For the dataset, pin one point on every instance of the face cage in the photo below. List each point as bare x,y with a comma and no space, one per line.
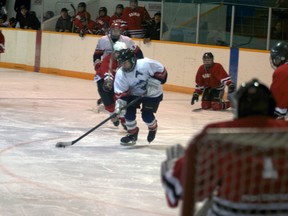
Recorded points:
133,64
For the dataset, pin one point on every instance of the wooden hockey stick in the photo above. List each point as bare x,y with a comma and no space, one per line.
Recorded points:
65,144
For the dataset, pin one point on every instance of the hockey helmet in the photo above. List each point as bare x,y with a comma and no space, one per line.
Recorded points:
208,60
124,55
104,10
279,54
115,31
120,6
82,5
254,98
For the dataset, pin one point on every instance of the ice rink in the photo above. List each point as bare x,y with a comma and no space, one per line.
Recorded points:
96,176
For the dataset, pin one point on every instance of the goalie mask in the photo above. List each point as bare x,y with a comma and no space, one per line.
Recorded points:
254,98
208,60
115,31
127,60
279,54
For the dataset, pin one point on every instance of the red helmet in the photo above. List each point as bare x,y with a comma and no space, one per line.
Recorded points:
115,31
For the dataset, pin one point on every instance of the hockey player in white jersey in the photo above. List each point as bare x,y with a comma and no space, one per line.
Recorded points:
138,78
105,44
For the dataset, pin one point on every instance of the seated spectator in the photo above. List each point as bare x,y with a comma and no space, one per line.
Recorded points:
117,16
80,14
136,18
18,4
12,22
102,21
154,28
28,20
64,23
48,15
4,21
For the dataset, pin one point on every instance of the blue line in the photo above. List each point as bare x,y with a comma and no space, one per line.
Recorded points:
233,65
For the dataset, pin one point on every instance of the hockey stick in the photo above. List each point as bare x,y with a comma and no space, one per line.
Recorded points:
74,15
65,144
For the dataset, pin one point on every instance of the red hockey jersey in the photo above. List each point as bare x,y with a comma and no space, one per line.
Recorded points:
215,77
2,42
279,86
237,199
104,69
135,17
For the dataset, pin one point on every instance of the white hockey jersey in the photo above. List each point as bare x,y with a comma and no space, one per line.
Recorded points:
105,44
135,82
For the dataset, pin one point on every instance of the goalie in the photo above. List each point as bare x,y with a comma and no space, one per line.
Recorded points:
254,108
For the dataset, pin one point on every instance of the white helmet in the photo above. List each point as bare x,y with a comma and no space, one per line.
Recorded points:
119,46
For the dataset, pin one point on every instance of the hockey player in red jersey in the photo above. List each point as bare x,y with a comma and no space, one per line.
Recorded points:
117,16
2,42
102,21
106,74
82,13
211,79
279,61
254,108
135,17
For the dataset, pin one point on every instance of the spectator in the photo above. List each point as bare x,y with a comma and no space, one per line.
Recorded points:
4,22
81,14
254,109
211,79
143,79
279,60
2,42
27,19
102,21
18,4
136,18
154,29
117,16
64,23
12,22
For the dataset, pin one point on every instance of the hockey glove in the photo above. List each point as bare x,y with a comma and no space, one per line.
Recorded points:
97,64
195,97
153,87
108,82
231,88
119,107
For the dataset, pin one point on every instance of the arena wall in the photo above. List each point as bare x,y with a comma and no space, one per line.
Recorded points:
67,54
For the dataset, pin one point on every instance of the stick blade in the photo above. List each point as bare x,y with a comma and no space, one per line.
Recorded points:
63,144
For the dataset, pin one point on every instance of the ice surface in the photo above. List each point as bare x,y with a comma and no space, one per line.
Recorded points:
96,176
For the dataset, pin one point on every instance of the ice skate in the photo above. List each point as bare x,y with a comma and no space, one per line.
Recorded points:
151,135
131,138
115,121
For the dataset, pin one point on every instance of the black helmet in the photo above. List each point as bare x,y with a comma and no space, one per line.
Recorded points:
127,54
254,98
104,9
208,55
82,4
279,54
208,60
120,6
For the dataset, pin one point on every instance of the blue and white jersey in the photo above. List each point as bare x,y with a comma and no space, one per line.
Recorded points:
135,82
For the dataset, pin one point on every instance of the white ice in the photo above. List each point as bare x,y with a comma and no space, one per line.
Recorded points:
96,176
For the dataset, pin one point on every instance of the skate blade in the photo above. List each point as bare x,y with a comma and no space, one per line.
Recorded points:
128,144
